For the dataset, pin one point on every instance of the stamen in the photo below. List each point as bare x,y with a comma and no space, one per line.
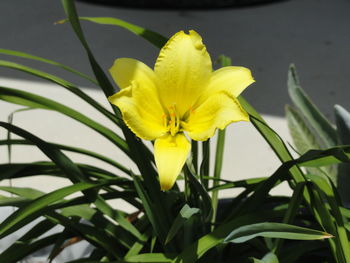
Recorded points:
174,122
165,120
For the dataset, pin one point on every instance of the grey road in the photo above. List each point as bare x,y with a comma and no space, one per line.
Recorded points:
313,34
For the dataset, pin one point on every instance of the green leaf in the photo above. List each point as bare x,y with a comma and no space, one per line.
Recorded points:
35,101
140,154
292,253
73,173
274,230
305,139
205,164
151,258
15,254
272,138
185,213
72,149
197,249
336,220
325,219
26,192
247,183
201,195
12,201
318,121
219,154
302,135
104,83
153,37
94,235
63,83
268,258
44,60
342,118
317,158
154,215
293,206
15,220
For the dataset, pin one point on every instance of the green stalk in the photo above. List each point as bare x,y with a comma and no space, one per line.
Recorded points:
224,61
205,165
194,148
219,156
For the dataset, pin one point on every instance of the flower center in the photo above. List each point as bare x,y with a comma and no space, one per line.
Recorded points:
172,120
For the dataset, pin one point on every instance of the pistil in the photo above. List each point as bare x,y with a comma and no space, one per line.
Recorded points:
174,120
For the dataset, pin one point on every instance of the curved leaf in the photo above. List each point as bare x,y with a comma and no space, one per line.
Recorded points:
63,83
35,101
300,99
44,60
274,230
268,258
185,213
72,149
153,37
16,220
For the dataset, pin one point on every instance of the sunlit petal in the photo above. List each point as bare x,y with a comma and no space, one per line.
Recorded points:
125,70
230,79
170,153
217,111
184,69
141,110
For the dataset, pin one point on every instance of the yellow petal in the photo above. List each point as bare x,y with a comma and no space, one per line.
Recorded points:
230,79
170,153
141,109
125,70
217,111
184,69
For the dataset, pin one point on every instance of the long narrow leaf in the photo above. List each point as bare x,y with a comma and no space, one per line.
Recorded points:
155,38
31,100
185,213
63,83
10,223
274,230
73,149
44,60
310,111
70,10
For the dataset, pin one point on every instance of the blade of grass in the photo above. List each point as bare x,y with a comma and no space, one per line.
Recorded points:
31,100
63,83
205,164
72,171
326,189
25,213
293,207
153,37
44,60
217,170
25,249
196,250
70,10
75,150
185,213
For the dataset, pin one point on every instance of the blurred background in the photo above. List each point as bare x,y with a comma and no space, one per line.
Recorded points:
313,34
265,37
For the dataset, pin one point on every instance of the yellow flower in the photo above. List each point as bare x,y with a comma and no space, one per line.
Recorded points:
182,94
